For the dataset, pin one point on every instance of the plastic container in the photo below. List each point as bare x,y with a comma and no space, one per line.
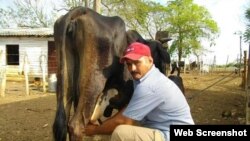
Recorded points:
52,83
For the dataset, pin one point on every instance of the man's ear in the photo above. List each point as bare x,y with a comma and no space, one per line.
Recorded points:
151,59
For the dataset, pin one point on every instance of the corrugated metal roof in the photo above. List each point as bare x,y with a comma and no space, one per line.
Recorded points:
23,32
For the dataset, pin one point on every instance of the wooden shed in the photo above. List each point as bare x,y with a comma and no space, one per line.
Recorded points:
34,47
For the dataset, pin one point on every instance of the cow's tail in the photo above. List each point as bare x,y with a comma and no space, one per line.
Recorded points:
60,125
60,122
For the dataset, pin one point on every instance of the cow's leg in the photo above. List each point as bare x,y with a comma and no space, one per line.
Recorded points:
89,88
70,90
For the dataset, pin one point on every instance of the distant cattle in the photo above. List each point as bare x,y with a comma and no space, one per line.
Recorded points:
89,47
177,66
204,69
193,65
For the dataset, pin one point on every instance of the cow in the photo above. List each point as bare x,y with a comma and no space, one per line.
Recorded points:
101,107
89,46
204,69
193,65
177,79
175,67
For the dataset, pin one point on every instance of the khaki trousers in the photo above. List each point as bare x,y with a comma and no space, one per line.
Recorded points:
136,133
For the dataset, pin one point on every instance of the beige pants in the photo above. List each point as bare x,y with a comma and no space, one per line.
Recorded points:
136,133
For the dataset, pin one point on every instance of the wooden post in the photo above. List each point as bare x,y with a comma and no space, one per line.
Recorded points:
26,71
240,55
2,81
184,68
226,63
43,66
247,92
244,75
2,75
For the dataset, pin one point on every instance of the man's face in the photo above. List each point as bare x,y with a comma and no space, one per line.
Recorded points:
138,68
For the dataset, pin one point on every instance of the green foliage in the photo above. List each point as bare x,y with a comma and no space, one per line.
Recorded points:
145,16
232,64
189,24
247,32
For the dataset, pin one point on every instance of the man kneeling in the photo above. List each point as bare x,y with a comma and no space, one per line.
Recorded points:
157,103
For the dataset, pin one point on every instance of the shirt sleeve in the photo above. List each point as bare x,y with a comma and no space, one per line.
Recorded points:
142,103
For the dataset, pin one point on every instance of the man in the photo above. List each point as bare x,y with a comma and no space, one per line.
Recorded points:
156,103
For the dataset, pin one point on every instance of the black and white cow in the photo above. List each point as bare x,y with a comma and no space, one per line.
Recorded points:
89,47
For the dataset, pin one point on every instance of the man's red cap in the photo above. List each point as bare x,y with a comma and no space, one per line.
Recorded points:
135,51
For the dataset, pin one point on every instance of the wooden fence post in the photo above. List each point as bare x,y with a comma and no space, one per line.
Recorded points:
247,91
2,81
43,66
2,75
26,71
244,74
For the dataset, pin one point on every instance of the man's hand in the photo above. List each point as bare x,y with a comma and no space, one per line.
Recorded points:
109,125
90,129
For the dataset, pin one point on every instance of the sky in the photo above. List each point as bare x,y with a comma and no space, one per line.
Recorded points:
229,15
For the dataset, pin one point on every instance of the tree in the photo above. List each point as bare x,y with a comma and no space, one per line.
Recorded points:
189,24
35,13
247,32
145,16
97,6
27,13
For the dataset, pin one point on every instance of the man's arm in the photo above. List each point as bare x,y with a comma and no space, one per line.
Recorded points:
108,126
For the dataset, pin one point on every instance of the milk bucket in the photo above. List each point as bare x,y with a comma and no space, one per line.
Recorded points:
52,83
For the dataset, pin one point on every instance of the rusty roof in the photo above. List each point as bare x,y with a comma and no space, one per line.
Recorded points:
26,32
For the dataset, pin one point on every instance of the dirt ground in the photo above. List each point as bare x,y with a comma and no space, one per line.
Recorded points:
214,98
